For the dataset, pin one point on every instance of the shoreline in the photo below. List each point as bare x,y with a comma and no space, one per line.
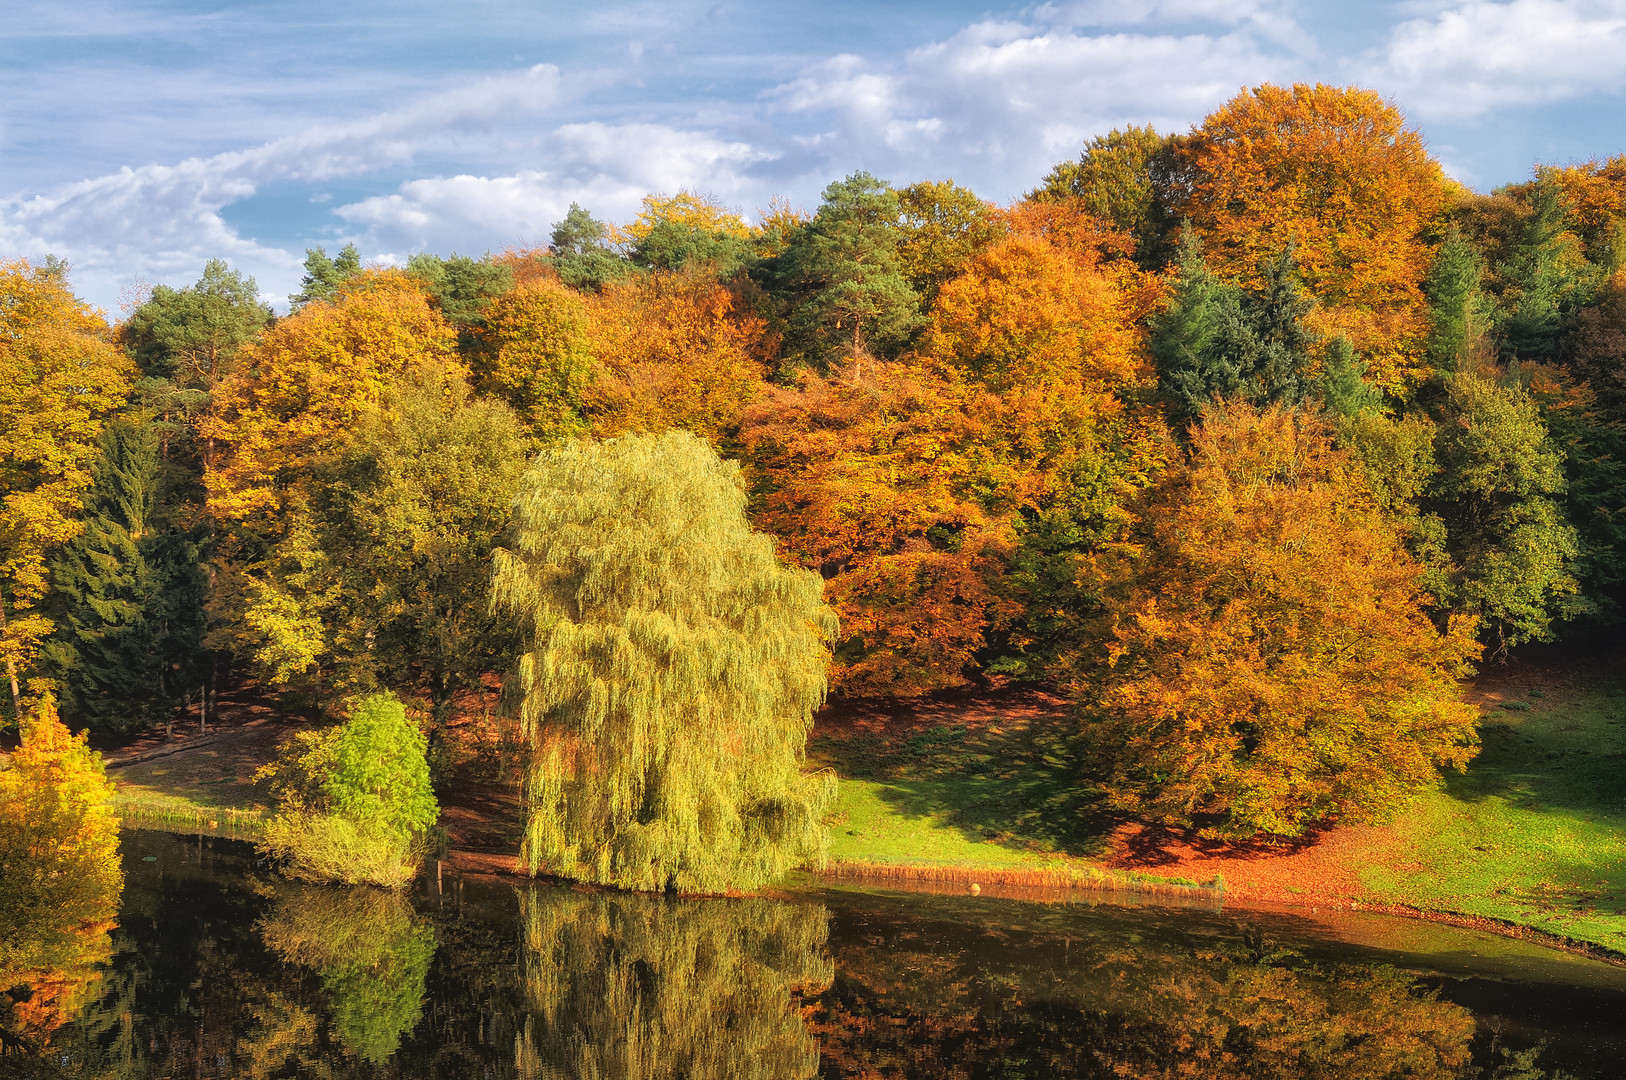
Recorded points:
1061,886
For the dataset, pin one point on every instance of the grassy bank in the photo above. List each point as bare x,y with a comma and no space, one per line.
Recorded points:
989,801
1534,832
207,789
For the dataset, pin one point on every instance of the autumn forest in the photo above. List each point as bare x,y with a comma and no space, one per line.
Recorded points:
1252,442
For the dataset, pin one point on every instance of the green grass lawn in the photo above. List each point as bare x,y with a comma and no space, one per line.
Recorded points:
993,798
1535,831
979,796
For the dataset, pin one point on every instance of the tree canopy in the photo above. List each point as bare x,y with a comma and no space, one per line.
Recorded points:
669,675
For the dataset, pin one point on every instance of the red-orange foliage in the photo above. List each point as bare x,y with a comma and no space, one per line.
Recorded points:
1337,173
909,485
1270,661
673,350
865,482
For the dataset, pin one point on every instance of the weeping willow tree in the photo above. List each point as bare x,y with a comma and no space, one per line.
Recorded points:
669,678
639,988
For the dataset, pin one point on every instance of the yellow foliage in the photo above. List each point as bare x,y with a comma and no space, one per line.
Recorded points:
59,868
307,383
673,351
60,378
536,354
1336,173
688,209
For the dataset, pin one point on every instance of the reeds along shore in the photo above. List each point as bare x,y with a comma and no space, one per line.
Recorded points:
968,878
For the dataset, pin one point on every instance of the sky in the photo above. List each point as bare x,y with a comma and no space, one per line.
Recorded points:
138,140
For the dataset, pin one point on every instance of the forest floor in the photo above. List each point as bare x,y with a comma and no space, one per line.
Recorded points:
977,786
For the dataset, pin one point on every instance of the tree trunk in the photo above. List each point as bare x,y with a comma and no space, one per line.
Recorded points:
11,666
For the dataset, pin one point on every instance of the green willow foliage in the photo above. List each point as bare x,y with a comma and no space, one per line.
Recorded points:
634,989
671,670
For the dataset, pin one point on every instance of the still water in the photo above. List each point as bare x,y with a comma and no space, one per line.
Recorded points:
219,969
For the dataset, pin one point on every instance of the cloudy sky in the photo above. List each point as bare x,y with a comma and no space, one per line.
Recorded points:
139,139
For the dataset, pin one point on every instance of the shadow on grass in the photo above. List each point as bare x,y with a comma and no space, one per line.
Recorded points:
1021,785
1568,755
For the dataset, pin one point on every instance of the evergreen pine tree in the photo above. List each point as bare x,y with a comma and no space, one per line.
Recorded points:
844,278
1216,340
324,275
670,674
579,254
1342,388
128,594
1456,305
1531,328
1275,316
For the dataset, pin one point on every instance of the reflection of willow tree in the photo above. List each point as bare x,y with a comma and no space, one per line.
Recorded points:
909,1006
633,988
59,876
372,953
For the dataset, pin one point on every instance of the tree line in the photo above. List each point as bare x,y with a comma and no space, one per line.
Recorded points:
1253,439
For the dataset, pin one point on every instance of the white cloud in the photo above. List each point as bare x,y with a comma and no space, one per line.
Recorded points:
161,220
1000,102
1471,58
607,168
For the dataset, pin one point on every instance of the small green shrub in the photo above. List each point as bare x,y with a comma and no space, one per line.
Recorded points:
354,801
328,847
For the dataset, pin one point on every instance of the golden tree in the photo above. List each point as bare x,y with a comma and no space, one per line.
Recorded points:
670,672
60,378
1269,661
536,354
297,397
674,350
60,878
301,389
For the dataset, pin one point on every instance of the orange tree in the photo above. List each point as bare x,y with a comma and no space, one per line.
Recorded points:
1269,664
59,869
675,349
947,497
1337,174
60,378
1594,196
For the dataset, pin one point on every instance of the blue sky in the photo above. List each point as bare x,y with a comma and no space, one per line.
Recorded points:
139,139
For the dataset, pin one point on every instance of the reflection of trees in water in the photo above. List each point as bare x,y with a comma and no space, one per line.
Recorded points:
911,1005
640,988
371,951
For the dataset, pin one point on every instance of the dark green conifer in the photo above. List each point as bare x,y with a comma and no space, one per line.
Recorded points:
843,279
128,594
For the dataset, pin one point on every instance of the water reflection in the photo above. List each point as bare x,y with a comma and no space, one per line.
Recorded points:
921,1007
630,987
371,951
217,972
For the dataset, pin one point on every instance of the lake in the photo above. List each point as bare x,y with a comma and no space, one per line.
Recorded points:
220,969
